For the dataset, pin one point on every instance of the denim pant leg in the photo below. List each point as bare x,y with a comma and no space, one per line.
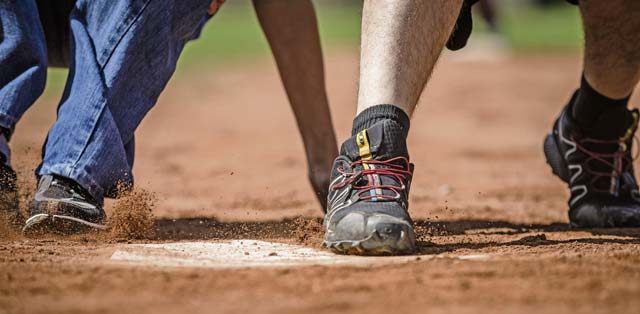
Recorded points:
124,53
23,59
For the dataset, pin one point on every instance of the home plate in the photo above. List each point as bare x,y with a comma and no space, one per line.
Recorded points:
241,253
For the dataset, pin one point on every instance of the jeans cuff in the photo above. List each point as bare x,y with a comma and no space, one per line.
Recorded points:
79,176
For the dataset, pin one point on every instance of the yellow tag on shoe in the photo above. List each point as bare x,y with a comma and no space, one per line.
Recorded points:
363,145
630,130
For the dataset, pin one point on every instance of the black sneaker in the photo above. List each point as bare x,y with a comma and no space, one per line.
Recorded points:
368,195
597,164
61,206
9,196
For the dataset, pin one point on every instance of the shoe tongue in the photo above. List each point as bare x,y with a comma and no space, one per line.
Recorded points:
386,139
611,127
610,124
381,141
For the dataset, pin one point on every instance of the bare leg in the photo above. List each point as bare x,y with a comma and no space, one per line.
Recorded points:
401,42
368,209
292,32
612,45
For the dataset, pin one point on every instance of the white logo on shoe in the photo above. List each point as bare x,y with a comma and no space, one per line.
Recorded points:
573,167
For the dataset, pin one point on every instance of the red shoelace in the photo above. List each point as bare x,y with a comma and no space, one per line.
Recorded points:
397,167
620,161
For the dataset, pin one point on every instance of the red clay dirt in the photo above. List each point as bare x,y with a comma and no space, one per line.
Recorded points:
222,160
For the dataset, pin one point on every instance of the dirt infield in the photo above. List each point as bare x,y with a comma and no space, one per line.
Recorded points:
222,159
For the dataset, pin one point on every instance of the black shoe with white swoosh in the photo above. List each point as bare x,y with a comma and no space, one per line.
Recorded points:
61,206
367,211
597,164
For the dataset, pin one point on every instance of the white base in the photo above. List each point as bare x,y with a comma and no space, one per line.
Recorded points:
245,253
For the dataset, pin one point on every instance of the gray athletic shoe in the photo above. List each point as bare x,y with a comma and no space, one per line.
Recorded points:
368,195
61,206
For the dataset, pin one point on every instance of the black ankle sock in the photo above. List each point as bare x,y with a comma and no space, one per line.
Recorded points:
590,104
372,115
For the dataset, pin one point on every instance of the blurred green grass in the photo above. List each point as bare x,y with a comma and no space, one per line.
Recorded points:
234,36
554,29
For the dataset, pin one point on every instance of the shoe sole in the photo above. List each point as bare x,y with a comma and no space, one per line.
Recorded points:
391,236
59,224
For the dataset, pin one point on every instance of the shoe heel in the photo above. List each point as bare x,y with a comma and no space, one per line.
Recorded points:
555,159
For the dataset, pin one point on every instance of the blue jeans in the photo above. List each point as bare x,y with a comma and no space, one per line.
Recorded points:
122,56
